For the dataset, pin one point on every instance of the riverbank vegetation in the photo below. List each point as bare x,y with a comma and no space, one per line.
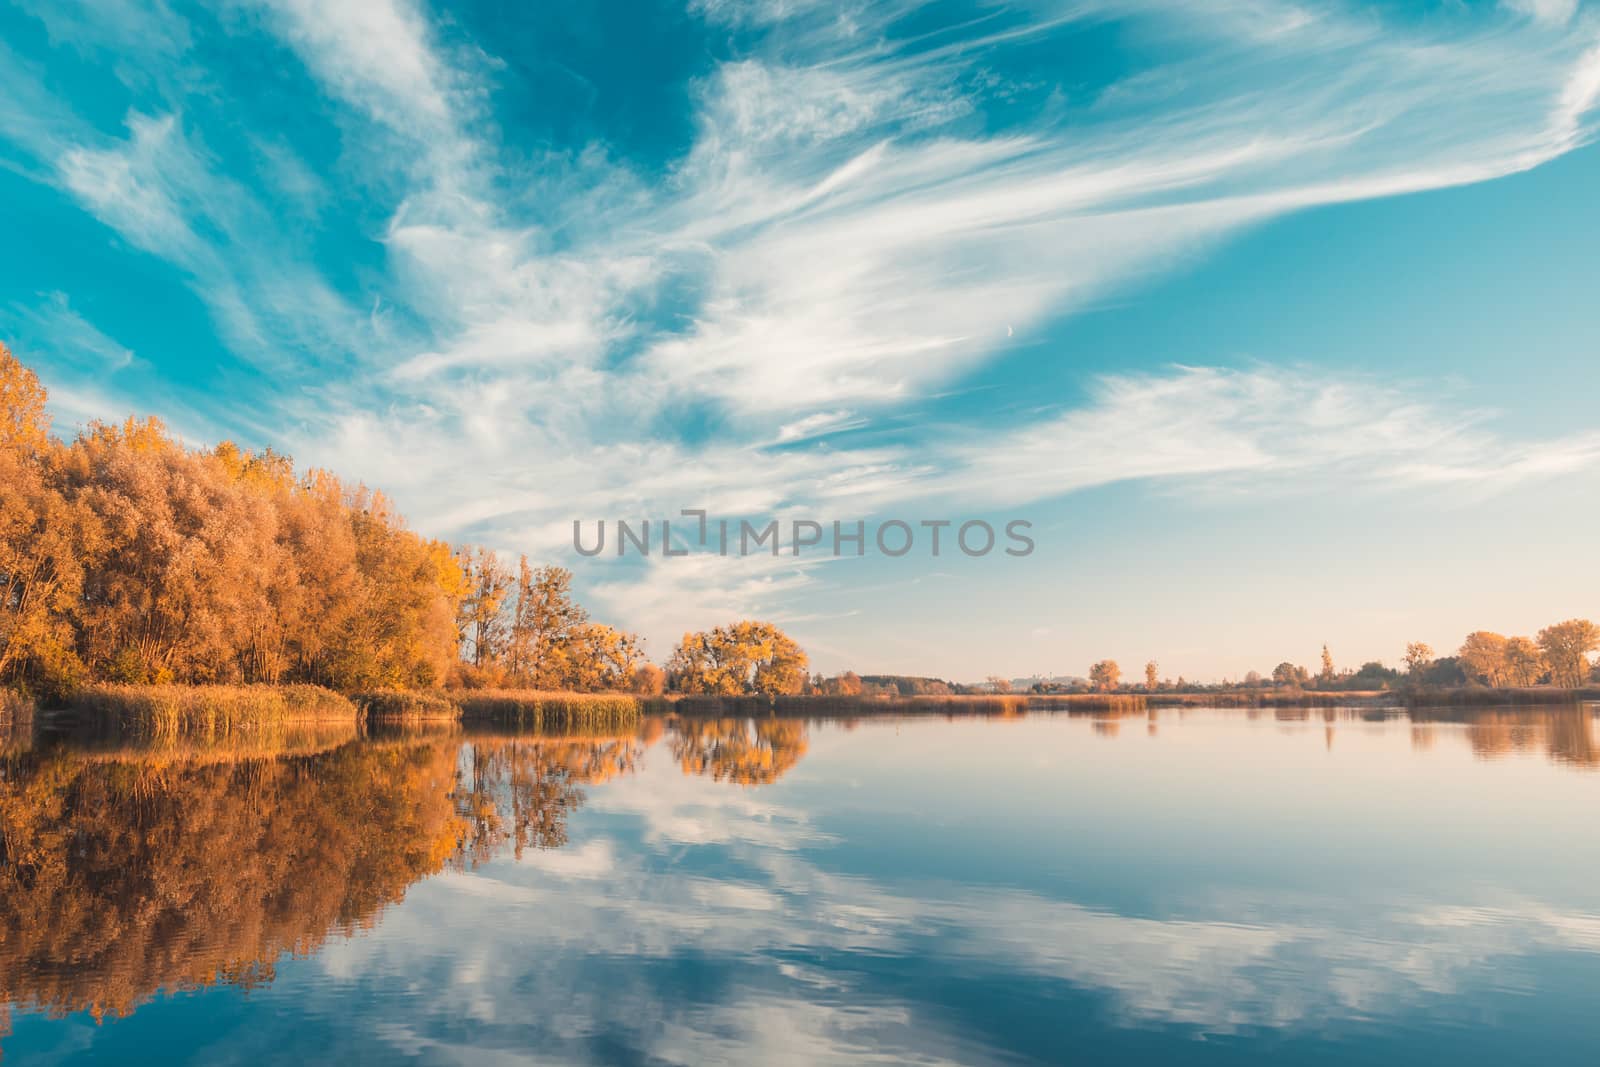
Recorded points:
551,712
207,711
406,705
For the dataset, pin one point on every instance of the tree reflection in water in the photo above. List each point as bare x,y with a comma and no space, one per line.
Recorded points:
519,792
749,752
124,875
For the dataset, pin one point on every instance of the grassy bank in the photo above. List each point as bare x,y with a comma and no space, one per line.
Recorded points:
550,712
206,712
923,705
864,707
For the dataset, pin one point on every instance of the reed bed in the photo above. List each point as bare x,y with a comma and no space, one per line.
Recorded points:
1249,698
207,712
713,706
1004,704
1118,703
406,706
868,706
1480,697
550,712
1001,705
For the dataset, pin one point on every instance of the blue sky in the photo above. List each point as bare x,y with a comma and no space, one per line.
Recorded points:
1275,320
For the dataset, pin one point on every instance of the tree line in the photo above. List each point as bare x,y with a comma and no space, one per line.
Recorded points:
127,556
1557,656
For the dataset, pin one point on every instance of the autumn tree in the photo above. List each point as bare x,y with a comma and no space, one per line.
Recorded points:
1483,657
648,680
1566,647
1327,674
42,540
1105,675
1418,656
1290,675
997,684
546,622
1524,664
125,555
740,658
1152,676
482,617
595,657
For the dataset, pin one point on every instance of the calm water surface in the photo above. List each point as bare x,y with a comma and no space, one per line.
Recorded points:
1197,887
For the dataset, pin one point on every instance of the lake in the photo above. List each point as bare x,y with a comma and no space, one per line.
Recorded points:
1195,886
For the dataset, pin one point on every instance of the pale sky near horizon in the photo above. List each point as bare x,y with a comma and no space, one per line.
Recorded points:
1276,320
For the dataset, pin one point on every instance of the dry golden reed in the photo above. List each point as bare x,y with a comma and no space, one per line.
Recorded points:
404,704
206,711
551,712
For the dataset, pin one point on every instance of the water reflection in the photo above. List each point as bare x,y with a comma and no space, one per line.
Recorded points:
518,792
896,885
748,752
125,873
126,876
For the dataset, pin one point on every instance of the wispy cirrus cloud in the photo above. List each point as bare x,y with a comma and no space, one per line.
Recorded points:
862,215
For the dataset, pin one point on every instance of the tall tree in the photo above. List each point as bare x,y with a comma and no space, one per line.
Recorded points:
42,540
595,657
1483,657
1152,674
1524,663
483,616
545,625
1566,647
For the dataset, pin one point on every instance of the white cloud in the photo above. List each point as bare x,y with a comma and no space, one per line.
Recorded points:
145,188
1553,12
53,320
1272,423
376,55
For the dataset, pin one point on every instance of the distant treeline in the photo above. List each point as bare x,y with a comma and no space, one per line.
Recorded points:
1557,656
